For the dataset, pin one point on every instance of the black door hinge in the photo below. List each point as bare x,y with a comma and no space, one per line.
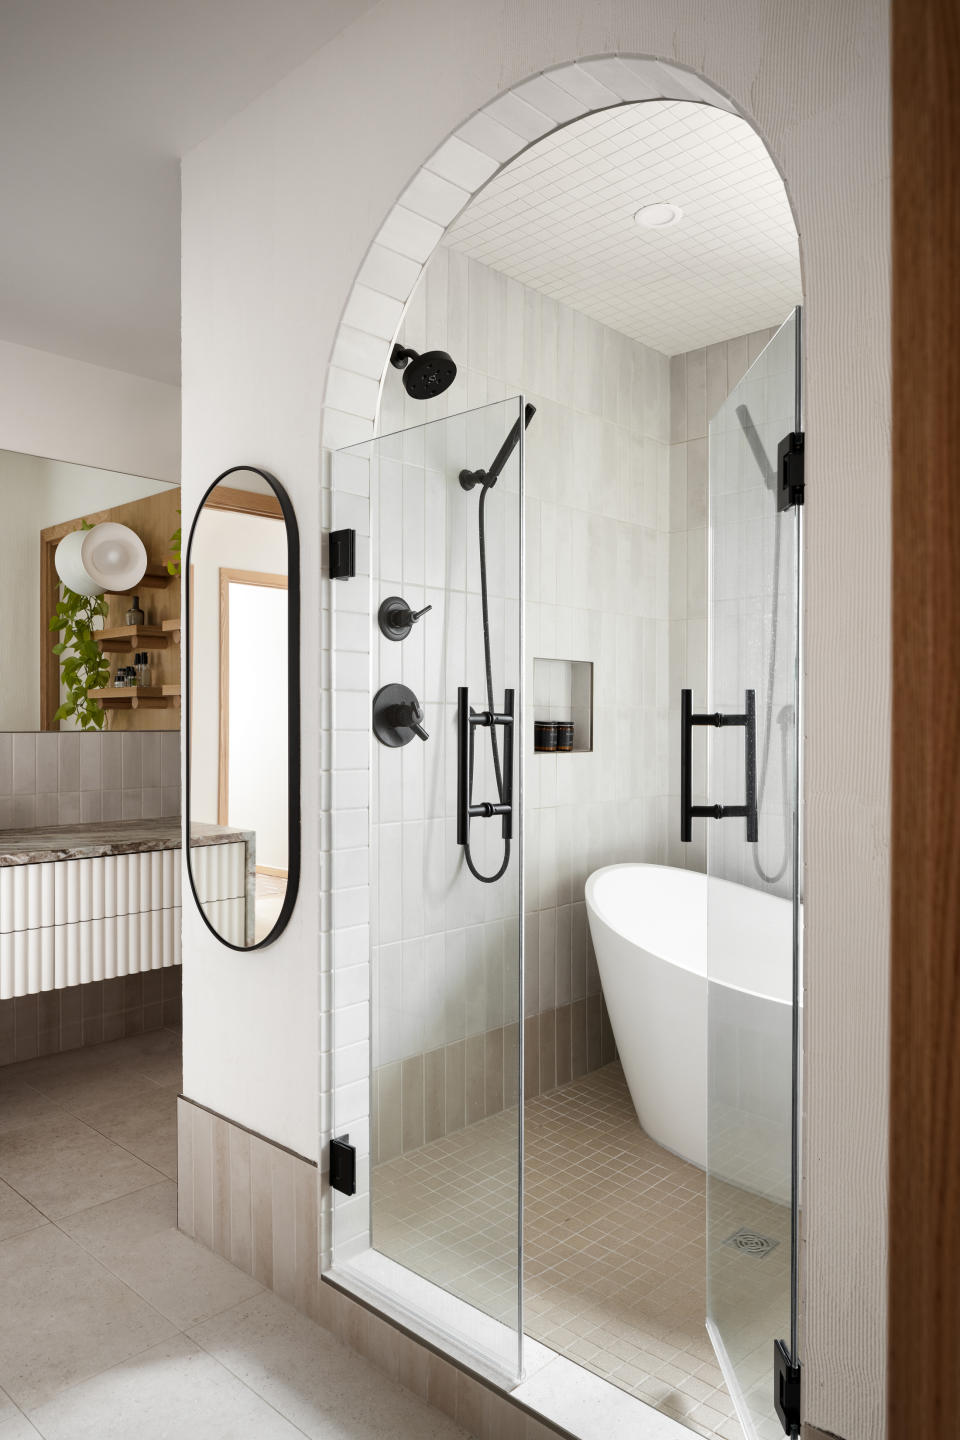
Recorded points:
786,1389
790,470
343,554
343,1165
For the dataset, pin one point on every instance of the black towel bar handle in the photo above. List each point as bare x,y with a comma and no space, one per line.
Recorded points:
748,810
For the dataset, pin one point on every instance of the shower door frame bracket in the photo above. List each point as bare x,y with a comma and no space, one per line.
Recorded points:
790,483
786,1388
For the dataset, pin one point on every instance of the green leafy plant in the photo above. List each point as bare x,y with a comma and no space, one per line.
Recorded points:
83,665
173,565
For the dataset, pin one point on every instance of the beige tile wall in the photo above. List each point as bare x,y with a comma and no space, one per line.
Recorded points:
256,1204
55,1020
428,1096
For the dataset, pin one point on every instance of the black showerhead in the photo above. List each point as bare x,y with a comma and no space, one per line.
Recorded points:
426,375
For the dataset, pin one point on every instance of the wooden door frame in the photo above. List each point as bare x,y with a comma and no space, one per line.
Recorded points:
265,580
924,1248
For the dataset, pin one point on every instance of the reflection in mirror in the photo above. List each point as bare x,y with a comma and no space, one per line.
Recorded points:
44,501
242,583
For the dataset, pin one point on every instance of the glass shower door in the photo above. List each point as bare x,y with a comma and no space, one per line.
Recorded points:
753,897
446,872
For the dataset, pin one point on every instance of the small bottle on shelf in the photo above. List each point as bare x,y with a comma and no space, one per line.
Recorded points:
135,615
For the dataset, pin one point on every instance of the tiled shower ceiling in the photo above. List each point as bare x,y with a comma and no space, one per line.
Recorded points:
560,220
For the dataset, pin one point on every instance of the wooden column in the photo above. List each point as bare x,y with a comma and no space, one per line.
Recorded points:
924,1260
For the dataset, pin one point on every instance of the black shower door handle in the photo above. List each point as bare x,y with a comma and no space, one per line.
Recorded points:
688,811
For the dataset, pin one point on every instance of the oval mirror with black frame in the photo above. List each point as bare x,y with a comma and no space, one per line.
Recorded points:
242,699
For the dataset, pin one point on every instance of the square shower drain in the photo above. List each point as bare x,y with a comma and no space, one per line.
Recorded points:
749,1242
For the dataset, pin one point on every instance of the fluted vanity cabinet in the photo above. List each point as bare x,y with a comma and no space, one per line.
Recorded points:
87,902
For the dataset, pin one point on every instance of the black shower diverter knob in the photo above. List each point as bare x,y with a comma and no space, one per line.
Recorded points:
397,716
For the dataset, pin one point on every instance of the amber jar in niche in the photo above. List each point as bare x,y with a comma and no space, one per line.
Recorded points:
565,735
544,736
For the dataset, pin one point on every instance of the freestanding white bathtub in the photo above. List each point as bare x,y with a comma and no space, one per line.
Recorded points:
649,930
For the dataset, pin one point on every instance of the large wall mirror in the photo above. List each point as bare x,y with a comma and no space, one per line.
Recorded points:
242,586
50,681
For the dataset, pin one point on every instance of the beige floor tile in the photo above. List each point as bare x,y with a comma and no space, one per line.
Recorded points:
614,1235
142,1120
66,1166
173,1389
18,1427
7,1407
136,1237
64,1317
16,1214
81,1088
316,1382
22,1104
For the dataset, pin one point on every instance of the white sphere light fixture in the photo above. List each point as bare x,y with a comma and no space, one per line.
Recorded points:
107,557
114,556
658,216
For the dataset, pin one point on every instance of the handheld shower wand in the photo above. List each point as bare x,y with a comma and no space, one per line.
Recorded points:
487,479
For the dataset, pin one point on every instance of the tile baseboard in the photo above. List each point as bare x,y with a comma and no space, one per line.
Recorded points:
257,1204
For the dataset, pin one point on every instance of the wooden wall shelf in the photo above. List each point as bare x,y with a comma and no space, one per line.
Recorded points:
125,639
155,578
139,697
172,628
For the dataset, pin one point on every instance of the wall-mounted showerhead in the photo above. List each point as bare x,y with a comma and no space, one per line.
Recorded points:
426,375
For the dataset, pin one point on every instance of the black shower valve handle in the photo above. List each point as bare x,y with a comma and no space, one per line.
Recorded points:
416,716
396,619
397,716
411,715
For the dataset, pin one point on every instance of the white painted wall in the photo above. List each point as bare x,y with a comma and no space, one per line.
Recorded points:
279,208
66,409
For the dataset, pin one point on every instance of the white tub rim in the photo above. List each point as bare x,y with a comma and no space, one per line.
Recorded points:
771,909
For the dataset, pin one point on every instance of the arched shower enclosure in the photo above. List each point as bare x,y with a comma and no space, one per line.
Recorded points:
435,699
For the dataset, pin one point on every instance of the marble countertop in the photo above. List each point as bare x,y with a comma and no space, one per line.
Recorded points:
106,837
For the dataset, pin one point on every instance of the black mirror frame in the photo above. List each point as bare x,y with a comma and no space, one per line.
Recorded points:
293,705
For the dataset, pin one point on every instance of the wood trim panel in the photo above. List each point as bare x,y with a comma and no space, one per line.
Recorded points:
244,502
924,1259
230,577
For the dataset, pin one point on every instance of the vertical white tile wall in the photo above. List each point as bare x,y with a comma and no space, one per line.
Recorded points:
445,948
700,382
597,554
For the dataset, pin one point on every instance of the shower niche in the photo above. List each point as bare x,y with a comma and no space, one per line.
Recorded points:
562,695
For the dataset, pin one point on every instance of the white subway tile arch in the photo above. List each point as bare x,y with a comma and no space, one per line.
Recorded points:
481,147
